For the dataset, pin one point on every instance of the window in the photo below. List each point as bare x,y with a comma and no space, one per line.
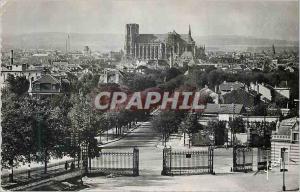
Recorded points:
36,87
296,137
45,86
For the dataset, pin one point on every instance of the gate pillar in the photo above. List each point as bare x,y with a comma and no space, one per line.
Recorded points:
135,161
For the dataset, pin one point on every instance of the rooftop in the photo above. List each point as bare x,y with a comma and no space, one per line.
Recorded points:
224,108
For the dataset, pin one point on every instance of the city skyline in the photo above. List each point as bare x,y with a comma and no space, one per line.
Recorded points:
267,19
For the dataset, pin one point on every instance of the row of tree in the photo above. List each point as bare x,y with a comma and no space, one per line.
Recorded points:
37,129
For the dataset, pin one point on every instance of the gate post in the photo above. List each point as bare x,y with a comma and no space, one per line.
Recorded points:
163,172
244,167
84,156
211,160
234,158
166,153
135,161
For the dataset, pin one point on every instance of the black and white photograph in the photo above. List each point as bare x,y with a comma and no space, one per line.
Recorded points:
149,95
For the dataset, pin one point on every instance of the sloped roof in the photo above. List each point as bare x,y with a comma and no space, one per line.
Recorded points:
228,85
187,54
149,38
193,62
286,125
47,79
152,38
223,108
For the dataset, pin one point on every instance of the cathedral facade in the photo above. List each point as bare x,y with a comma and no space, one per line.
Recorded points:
157,46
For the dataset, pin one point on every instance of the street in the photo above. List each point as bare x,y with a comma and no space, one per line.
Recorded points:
150,178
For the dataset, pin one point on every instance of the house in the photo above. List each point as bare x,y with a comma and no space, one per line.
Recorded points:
111,76
22,70
263,89
224,112
47,85
210,93
283,89
286,136
241,96
227,87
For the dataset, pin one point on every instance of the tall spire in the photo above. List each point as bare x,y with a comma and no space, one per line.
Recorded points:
273,49
190,34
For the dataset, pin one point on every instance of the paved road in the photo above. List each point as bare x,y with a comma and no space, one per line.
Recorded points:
143,136
146,139
150,178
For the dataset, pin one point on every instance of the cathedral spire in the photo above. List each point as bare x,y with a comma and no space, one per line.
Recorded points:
190,34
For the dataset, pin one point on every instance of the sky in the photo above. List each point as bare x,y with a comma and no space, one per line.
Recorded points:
262,19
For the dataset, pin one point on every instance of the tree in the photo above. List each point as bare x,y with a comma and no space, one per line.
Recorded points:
237,125
190,125
259,110
85,124
261,133
166,122
172,73
18,85
14,128
139,82
217,128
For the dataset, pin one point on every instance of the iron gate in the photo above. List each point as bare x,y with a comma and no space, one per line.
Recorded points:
263,158
187,162
242,159
121,163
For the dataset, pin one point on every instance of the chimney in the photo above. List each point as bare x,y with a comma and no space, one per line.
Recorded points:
11,57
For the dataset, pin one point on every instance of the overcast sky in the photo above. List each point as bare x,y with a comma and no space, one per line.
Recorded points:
266,19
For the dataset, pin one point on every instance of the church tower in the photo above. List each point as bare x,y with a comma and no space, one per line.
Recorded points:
131,33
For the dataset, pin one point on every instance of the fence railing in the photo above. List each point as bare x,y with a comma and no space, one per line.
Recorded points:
37,173
281,137
242,159
122,163
263,158
187,162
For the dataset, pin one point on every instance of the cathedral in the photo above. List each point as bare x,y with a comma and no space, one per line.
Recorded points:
169,47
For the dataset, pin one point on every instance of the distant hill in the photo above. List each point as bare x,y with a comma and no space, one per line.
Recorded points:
100,42
107,42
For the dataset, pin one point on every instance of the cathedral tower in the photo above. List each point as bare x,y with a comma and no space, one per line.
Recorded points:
131,33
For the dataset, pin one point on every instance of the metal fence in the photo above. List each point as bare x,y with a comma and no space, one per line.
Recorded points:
122,163
37,173
187,162
263,158
242,159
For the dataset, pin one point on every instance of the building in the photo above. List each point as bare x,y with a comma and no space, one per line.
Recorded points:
47,85
241,96
169,46
111,76
227,87
269,93
210,93
263,89
223,112
30,72
286,136
283,89
86,51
